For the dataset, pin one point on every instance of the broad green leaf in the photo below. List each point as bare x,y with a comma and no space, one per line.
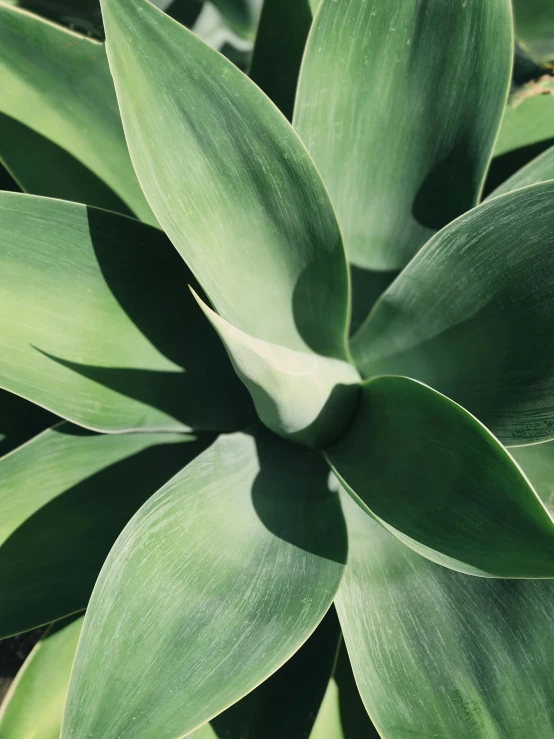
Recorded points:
58,84
20,420
472,317
442,484
440,654
527,130
59,175
213,585
539,169
239,197
35,702
301,396
287,703
537,461
278,51
401,135
65,497
534,25
98,325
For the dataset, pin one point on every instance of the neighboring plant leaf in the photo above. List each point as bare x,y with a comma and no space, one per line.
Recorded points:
239,197
540,169
58,84
213,585
402,136
527,130
240,15
65,497
472,317
35,702
98,322
440,654
59,174
278,51
20,421
441,483
525,68
534,26
300,396
537,461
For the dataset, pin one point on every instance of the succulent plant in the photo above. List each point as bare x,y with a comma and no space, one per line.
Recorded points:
279,366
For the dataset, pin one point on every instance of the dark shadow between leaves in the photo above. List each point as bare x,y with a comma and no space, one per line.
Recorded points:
367,286
292,499
506,165
20,420
48,566
355,722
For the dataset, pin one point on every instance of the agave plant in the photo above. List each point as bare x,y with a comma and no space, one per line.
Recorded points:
311,441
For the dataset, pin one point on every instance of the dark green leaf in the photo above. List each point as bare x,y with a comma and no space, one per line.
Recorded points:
99,327
442,484
65,497
534,25
213,585
402,135
472,316
239,196
440,654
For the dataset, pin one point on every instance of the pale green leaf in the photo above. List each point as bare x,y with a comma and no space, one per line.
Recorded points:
302,396
65,497
399,105
230,182
440,654
34,705
442,484
213,585
472,316
58,84
537,461
99,327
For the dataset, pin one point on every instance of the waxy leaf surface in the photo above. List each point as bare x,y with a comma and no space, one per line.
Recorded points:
99,327
212,586
453,655
472,316
401,135
230,182
440,482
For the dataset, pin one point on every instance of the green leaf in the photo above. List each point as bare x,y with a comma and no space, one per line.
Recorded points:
447,654
213,585
402,136
539,169
34,704
99,327
20,420
534,25
278,51
240,15
537,461
441,483
300,396
239,197
58,84
65,497
59,175
471,316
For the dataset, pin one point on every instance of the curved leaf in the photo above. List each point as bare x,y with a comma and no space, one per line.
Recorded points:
453,655
539,169
300,396
471,316
278,51
537,461
534,21
212,586
35,703
20,420
399,160
442,484
98,324
58,84
239,197
240,15
65,497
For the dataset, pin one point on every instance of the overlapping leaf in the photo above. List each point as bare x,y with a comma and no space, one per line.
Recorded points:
441,483
227,570
99,327
453,655
230,182
472,317
534,21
